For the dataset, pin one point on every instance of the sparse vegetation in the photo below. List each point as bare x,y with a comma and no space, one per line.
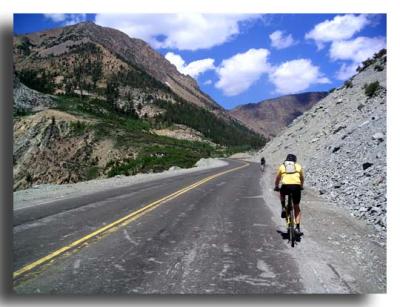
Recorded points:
77,128
156,159
372,60
231,134
19,112
39,80
348,84
371,89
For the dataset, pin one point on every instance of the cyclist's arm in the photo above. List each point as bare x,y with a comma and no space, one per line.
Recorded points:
278,179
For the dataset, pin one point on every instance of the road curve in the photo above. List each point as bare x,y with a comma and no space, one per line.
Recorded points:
215,237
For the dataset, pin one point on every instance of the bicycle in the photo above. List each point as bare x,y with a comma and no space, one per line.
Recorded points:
290,219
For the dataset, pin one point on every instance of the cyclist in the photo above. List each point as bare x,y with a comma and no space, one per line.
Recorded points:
291,175
262,163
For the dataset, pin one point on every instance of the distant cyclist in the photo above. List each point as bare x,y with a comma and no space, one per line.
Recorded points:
291,175
262,164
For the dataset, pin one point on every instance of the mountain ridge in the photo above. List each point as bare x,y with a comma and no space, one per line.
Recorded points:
135,51
270,116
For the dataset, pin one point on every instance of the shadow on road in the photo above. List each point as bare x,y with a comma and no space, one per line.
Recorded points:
285,236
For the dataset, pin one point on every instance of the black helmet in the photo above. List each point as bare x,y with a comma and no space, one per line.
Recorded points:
291,157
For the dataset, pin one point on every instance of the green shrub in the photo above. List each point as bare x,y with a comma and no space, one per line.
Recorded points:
348,84
77,128
92,172
371,88
19,112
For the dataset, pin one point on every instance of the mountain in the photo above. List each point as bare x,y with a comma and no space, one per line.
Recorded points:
271,116
112,49
341,143
92,102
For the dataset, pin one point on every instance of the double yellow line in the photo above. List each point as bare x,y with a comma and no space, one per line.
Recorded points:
120,222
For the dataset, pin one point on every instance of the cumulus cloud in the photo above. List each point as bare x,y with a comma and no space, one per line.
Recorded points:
192,69
356,50
296,76
339,28
280,41
239,72
66,19
188,31
346,71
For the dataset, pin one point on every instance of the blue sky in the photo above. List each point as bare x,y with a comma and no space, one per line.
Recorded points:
238,59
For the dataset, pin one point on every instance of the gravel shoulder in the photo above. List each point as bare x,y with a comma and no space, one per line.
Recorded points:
338,252
49,192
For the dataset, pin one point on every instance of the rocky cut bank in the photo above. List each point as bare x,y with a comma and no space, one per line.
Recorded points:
341,142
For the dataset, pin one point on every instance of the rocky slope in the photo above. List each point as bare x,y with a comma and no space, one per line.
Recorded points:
269,117
341,142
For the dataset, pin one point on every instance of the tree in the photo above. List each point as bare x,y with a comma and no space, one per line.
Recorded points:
79,74
97,72
112,93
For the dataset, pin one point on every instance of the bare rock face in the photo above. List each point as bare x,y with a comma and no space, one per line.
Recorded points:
45,151
270,117
341,142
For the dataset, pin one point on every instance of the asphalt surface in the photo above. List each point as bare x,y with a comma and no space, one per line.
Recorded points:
217,238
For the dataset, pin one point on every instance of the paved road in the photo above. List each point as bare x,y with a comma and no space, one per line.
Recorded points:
217,237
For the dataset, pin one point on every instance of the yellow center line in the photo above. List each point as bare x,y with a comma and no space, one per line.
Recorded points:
122,221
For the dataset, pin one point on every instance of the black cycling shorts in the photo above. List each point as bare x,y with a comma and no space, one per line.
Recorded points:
295,189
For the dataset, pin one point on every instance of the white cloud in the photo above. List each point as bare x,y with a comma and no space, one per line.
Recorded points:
346,71
188,31
239,72
339,28
56,17
356,50
280,41
66,19
192,69
296,76
177,60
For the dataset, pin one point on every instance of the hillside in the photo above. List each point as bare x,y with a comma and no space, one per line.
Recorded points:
91,102
99,53
341,142
269,117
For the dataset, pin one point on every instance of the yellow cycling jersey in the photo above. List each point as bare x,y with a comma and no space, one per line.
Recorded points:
293,178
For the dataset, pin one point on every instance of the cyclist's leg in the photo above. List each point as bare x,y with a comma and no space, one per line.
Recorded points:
283,196
297,213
